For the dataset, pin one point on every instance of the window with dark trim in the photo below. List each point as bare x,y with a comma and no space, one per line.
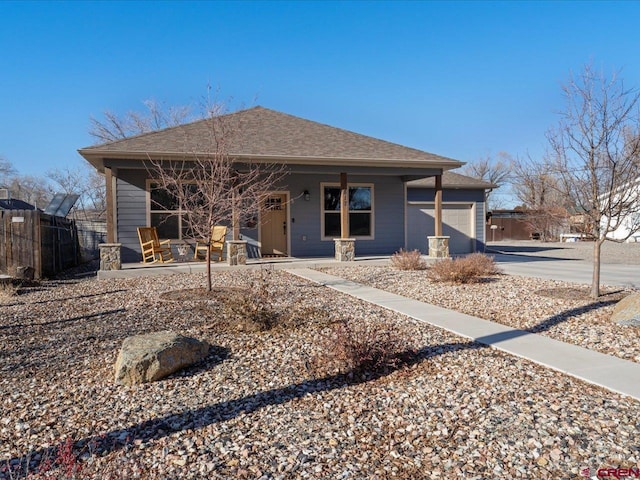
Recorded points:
165,212
360,211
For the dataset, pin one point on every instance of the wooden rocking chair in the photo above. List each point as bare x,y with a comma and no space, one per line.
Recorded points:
154,250
218,234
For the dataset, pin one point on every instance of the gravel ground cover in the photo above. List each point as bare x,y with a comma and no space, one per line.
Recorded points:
559,310
254,408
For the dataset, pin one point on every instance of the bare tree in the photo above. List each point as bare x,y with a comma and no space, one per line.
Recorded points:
595,151
86,182
32,189
7,170
213,188
546,211
156,117
496,170
29,188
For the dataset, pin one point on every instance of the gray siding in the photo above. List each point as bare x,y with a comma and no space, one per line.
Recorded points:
305,216
477,196
306,235
132,211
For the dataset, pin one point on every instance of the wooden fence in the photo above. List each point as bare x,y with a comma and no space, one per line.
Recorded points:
29,238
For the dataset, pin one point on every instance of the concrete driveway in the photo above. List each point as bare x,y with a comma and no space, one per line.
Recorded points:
571,262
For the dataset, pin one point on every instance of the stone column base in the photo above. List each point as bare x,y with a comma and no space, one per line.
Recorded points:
438,247
110,256
237,252
345,249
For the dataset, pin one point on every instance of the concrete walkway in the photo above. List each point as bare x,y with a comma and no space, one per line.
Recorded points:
613,373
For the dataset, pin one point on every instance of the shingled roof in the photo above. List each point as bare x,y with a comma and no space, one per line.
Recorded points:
274,136
454,181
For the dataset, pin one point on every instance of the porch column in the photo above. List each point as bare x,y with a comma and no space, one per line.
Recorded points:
438,244
438,206
110,256
235,218
344,206
344,246
111,211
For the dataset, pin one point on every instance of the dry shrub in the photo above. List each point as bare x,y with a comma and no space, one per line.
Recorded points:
300,315
252,310
469,269
70,461
350,347
408,260
8,290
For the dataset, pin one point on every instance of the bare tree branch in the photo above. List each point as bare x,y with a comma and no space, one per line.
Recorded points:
156,117
595,156
86,182
537,189
213,188
496,170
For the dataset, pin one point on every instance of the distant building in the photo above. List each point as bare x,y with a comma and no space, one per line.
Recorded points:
507,225
8,203
627,227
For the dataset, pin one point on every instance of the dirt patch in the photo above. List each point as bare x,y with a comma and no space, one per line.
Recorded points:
217,294
581,293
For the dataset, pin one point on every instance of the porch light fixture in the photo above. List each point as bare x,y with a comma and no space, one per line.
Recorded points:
306,195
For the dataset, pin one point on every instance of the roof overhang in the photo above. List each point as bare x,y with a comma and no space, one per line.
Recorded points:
97,158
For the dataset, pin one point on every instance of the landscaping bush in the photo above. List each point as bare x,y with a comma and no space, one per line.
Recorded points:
69,461
469,269
8,290
252,310
408,260
355,348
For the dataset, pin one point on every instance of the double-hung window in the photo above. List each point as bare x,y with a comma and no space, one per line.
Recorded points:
166,213
361,222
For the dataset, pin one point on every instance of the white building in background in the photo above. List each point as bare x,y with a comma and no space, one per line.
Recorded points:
627,228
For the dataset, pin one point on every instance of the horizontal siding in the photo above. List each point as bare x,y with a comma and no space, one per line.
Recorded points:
305,216
131,206
306,234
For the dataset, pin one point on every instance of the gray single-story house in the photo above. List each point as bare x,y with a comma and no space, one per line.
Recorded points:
400,195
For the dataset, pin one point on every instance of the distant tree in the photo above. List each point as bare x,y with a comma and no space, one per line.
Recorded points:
211,187
595,151
496,170
86,182
546,210
7,170
30,188
156,117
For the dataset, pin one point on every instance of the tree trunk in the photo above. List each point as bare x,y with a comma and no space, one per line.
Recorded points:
595,282
209,266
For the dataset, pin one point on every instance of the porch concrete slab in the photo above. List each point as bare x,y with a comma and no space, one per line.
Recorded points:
132,270
609,372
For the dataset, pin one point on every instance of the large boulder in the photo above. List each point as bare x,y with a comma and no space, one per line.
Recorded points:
627,311
150,357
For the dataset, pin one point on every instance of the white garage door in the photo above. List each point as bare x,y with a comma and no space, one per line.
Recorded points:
457,223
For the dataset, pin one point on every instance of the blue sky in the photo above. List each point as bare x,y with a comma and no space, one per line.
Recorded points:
461,79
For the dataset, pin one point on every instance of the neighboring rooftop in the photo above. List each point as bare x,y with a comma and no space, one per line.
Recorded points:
261,133
454,181
15,204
